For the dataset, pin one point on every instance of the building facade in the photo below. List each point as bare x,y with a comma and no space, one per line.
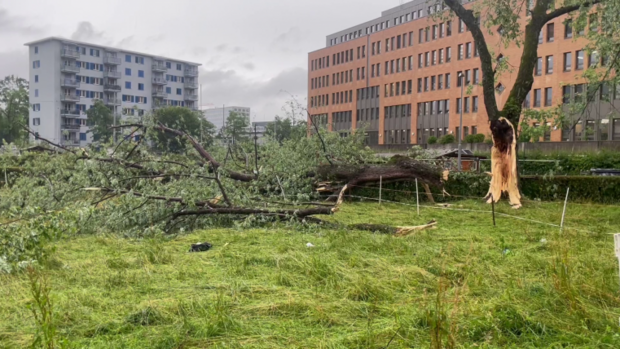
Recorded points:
398,77
67,77
218,116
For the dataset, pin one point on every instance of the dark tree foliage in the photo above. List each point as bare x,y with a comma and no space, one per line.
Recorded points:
14,109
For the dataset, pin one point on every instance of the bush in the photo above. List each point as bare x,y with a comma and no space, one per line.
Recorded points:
447,139
432,140
470,139
479,138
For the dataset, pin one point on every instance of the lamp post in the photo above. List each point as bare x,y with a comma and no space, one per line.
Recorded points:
461,121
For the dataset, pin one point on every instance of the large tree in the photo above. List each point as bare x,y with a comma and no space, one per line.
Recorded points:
183,119
14,108
520,22
282,129
100,119
236,127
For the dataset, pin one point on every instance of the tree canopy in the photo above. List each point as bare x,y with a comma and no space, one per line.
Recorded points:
236,127
14,109
182,119
100,119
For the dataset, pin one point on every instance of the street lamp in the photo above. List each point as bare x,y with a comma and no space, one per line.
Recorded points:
460,77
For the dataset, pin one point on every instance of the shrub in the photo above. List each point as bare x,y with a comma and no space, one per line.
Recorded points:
432,140
447,139
479,138
470,139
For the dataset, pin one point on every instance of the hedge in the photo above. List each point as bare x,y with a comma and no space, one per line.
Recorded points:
597,189
564,163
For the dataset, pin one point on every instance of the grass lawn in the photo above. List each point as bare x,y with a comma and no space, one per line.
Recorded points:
467,284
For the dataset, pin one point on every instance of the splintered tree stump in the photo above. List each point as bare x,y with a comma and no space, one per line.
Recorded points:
504,177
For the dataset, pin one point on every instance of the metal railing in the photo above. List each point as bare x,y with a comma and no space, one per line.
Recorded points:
111,101
65,52
160,81
67,97
69,83
160,67
191,97
70,113
112,74
189,84
111,87
111,60
160,94
69,68
191,72
67,126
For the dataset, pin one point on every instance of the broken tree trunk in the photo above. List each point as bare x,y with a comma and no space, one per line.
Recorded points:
504,175
403,169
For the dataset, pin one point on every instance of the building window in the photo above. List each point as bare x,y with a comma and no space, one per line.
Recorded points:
448,28
127,71
593,22
179,91
458,106
36,50
140,73
579,60
578,95
128,58
538,70
474,105
36,121
36,92
568,59
466,99
448,54
568,29
36,78
461,26
593,59
550,32
537,97
460,52
476,76
526,102
447,80
549,65
179,66
168,65
460,77
36,107
36,64
128,85
468,50
548,96
168,90
566,94
141,87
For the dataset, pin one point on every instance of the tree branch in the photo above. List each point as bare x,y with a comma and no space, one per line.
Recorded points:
486,61
248,211
568,9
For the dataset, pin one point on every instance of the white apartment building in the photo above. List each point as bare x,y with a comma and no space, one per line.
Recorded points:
218,116
67,77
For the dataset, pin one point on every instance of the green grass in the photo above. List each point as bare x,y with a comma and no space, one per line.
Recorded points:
461,285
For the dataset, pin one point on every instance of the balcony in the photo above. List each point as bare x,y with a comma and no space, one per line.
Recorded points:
160,94
112,74
69,53
71,142
190,84
112,60
70,113
71,83
159,81
191,97
160,68
111,101
111,87
68,97
191,72
69,68
70,126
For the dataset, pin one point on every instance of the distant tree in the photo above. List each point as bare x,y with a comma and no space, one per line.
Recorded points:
236,126
100,119
282,129
183,119
14,108
447,139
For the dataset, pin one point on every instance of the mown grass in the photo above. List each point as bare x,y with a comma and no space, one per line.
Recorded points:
461,285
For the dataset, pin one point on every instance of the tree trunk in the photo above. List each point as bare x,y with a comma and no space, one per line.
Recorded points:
505,177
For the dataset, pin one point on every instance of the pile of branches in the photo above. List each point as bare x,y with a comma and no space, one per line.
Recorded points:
130,188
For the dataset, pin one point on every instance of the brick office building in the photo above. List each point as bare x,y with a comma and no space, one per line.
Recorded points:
398,76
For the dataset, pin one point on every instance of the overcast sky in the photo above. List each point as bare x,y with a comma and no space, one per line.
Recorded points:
253,52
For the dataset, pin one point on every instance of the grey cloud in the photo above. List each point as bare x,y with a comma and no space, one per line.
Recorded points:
86,32
221,47
264,97
289,41
127,42
249,66
14,63
10,24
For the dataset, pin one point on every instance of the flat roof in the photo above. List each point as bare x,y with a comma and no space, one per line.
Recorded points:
109,48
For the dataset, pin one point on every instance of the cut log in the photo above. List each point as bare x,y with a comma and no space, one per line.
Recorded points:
396,231
504,176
